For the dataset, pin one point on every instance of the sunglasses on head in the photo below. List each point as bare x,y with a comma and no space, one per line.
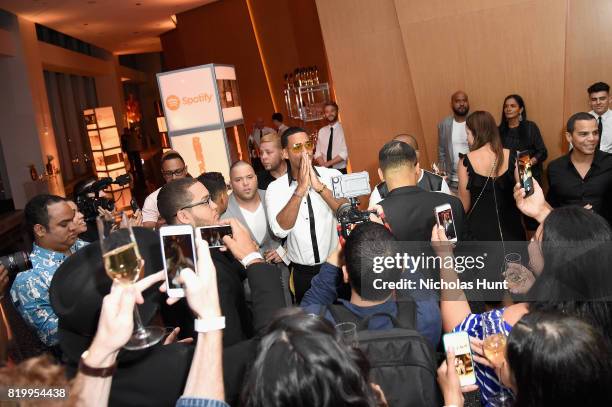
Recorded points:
297,147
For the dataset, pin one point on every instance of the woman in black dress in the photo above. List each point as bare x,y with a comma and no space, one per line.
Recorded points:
486,182
519,134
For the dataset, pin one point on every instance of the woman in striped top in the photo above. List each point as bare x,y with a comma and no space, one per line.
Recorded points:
576,255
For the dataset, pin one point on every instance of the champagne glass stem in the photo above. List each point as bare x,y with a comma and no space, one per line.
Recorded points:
139,330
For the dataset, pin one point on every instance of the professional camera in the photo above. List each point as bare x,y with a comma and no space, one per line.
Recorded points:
88,205
16,262
351,186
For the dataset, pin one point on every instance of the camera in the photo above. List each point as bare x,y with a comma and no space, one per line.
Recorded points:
351,186
88,205
16,262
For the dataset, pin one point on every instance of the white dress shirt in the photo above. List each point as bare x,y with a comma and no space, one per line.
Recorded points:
299,244
605,139
149,209
338,146
282,128
375,195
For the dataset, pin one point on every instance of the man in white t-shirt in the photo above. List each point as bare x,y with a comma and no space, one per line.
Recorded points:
452,138
173,167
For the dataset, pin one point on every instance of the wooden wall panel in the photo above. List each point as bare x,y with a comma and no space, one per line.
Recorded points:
371,77
489,52
589,51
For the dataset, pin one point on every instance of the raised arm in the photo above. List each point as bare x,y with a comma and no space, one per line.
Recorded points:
287,216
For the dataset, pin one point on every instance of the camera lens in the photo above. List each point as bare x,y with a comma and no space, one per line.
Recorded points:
16,262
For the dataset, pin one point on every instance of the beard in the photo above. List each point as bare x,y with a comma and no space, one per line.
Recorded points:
461,112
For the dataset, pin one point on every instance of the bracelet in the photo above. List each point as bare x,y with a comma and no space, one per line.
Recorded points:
95,371
209,324
321,190
250,257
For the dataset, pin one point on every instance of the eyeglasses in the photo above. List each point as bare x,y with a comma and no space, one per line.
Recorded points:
297,147
194,204
175,173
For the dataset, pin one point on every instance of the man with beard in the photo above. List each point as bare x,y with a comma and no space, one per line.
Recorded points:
271,159
301,206
584,175
50,221
452,138
331,151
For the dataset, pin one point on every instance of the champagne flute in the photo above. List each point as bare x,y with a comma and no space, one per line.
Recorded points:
123,264
494,346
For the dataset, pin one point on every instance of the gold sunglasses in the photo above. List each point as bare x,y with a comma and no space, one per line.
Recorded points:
297,147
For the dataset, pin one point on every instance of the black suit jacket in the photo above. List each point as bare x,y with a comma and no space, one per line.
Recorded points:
410,212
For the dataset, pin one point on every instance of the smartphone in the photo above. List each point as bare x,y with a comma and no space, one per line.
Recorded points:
134,205
444,218
178,251
524,170
214,234
459,342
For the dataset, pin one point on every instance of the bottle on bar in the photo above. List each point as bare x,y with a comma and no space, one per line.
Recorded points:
316,75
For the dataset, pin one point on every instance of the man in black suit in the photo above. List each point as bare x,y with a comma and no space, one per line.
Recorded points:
408,209
187,201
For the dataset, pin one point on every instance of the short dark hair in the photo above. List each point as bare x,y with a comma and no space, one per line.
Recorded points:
331,103
278,117
366,242
171,155
214,182
290,132
395,154
571,122
598,87
173,196
36,211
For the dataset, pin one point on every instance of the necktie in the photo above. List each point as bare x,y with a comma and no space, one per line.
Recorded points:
600,129
313,231
329,146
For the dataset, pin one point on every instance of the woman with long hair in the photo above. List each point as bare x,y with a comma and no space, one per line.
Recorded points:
575,250
486,182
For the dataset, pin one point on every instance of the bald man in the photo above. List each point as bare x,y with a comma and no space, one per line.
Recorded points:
427,181
452,138
247,204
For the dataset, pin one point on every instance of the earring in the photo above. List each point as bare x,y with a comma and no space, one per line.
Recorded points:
520,117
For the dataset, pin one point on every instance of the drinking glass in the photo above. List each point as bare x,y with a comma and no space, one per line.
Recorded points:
495,350
512,273
123,264
348,333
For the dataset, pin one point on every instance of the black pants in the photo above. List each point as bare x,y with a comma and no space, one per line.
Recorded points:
301,279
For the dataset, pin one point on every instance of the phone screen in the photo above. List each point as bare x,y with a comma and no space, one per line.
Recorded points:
445,219
214,234
178,254
459,342
524,170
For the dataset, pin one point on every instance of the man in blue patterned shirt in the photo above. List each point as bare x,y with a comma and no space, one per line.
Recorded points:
50,220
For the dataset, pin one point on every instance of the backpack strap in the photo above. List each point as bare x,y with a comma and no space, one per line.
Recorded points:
342,314
406,314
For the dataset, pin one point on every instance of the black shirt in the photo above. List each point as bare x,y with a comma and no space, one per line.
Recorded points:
410,212
566,187
525,137
264,178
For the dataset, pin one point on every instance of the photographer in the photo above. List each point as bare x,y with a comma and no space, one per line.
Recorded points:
50,220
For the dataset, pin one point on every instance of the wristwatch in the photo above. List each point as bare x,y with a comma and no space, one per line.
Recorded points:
95,371
322,189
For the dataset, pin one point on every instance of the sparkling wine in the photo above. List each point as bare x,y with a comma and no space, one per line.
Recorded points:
494,348
123,263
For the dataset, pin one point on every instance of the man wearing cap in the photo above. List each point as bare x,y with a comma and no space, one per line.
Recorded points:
50,220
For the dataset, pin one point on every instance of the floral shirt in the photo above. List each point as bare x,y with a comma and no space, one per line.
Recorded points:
30,292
